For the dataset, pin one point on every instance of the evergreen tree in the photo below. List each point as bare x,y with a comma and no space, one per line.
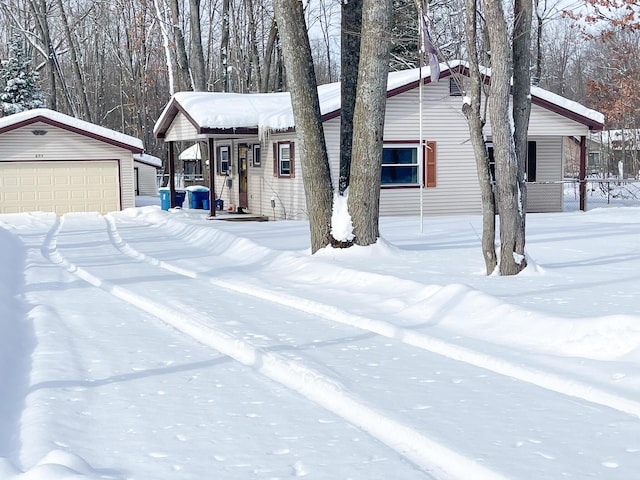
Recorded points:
20,89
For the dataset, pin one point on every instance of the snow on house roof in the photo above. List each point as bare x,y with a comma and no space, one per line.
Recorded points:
210,111
567,104
191,153
69,123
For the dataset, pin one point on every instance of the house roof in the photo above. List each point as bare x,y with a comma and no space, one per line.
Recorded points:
60,120
236,113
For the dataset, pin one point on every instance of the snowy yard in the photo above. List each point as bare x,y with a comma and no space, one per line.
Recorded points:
147,345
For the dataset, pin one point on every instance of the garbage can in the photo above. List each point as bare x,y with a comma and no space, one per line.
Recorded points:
219,204
164,198
179,198
199,199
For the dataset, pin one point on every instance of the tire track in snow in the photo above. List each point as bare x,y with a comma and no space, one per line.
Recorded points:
540,378
429,455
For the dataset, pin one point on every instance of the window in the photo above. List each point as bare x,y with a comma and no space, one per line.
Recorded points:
532,161
454,88
192,168
223,160
257,161
401,167
283,159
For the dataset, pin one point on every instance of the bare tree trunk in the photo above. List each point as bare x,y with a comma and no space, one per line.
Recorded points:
301,80
197,55
539,25
81,86
521,107
476,125
503,143
40,13
368,131
268,57
181,51
350,57
224,46
162,22
255,57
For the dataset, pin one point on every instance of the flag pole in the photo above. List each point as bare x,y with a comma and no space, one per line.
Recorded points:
420,135
425,47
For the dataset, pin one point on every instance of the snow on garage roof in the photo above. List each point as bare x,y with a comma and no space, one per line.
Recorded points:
214,112
148,159
66,122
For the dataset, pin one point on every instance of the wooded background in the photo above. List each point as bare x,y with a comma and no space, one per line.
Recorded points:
116,63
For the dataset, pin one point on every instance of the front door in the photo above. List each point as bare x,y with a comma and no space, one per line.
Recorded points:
243,197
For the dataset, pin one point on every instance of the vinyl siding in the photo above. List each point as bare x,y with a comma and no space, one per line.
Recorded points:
288,193
456,189
60,144
181,129
147,179
543,196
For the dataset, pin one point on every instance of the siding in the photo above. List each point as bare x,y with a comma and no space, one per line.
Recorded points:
147,179
288,193
543,196
456,189
60,144
181,130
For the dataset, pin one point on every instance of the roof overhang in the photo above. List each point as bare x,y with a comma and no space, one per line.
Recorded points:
65,122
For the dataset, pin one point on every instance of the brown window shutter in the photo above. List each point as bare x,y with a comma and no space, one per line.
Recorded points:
275,159
292,157
218,161
430,167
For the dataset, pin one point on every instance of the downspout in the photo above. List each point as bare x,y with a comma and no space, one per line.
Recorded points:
583,173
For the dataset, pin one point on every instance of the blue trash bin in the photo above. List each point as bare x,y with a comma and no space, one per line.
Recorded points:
179,198
219,204
200,199
164,199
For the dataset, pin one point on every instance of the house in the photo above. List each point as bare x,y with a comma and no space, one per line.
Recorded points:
251,143
56,163
614,153
191,159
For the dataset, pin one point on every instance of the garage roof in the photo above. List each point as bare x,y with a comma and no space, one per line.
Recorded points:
75,125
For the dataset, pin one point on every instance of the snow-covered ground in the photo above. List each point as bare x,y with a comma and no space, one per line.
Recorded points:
154,345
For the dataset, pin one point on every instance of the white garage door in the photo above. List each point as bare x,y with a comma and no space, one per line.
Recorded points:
59,187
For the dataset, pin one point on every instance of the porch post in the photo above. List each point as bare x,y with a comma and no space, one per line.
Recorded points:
582,175
172,168
212,178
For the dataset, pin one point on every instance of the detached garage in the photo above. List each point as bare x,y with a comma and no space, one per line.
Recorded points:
55,163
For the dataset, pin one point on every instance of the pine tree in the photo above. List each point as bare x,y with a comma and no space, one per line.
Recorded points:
20,89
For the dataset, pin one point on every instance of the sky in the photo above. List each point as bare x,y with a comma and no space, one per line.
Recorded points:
149,344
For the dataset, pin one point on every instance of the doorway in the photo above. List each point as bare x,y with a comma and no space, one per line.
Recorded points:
243,181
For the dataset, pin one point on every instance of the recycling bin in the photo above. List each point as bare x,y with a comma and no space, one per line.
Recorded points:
199,199
165,204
